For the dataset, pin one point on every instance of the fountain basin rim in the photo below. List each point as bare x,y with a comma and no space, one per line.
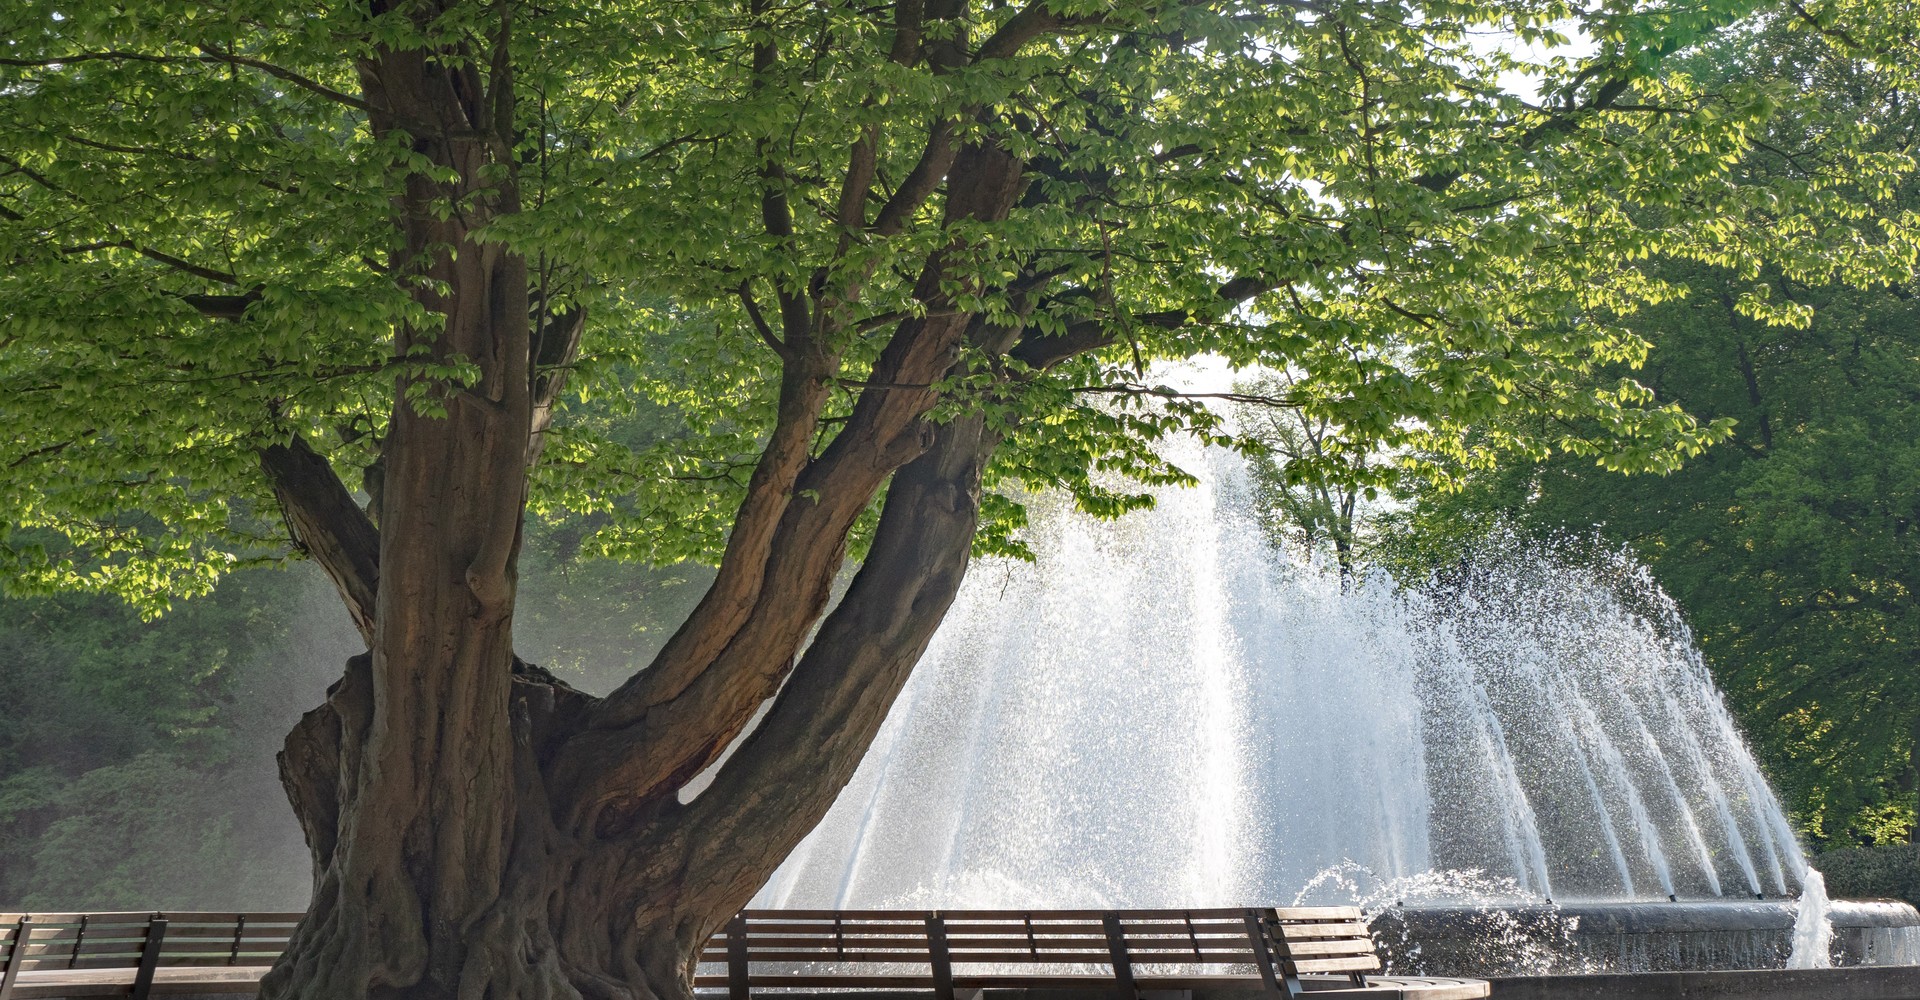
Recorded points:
1649,916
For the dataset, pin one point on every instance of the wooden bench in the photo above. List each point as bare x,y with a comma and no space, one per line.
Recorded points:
1282,952
1279,952
137,954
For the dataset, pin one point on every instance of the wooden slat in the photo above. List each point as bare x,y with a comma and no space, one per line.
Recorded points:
1296,932
95,938
907,956
1157,951
88,942
125,961
830,916
1318,914
1041,951
1163,956
1041,944
1213,913
211,931
1362,963
251,933
817,979
968,925
51,931
212,945
1216,913
1205,956
205,917
802,927
105,917
62,959
216,961
221,953
1340,946
965,924
829,942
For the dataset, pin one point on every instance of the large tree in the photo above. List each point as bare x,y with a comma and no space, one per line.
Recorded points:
874,259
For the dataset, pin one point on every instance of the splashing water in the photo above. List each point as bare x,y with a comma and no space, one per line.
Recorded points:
1163,711
1516,940
1812,927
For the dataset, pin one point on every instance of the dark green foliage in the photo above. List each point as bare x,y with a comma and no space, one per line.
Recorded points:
135,756
1427,250
158,832
1886,872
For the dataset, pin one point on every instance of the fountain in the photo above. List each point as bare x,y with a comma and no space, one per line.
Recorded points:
1163,711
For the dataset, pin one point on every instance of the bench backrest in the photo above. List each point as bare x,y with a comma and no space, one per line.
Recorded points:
1279,943
141,941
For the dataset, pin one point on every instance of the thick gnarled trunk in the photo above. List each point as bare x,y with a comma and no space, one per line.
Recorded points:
553,916
563,911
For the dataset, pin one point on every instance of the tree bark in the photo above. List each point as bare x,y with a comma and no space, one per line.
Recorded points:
767,796
327,526
480,829
576,914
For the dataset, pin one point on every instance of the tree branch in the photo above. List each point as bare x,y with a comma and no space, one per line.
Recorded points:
326,525
783,778
1078,338
921,182
1034,20
230,307
1167,392
670,721
177,263
208,56
780,349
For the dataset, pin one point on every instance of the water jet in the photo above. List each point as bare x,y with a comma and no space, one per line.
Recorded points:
1163,711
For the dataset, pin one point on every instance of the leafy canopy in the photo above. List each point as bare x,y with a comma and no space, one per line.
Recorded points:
195,222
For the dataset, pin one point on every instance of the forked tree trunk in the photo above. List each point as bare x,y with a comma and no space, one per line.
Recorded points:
481,830
565,912
551,915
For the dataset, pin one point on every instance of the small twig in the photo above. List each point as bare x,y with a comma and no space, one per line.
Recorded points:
1167,392
760,323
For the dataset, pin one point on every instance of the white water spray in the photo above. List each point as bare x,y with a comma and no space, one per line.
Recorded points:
1161,711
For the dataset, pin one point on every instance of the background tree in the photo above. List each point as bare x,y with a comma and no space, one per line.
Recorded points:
1306,476
1792,547
120,760
136,755
894,254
